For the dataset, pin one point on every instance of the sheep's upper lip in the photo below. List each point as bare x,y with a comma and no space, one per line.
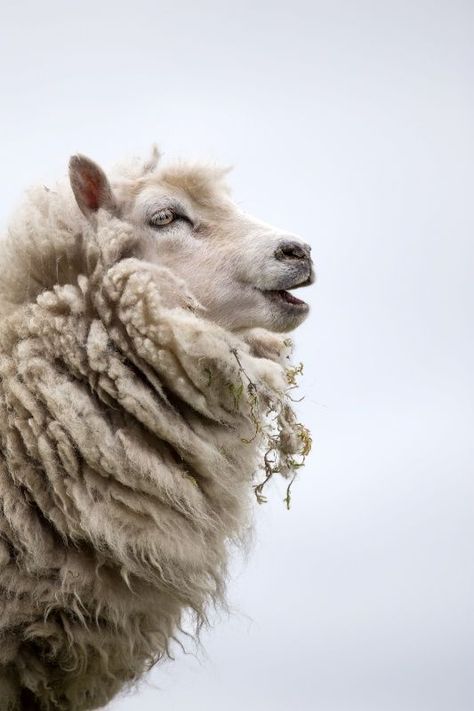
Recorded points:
306,282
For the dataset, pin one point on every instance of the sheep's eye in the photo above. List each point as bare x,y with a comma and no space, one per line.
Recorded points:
163,217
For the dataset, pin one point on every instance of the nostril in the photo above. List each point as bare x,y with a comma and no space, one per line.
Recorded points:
292,250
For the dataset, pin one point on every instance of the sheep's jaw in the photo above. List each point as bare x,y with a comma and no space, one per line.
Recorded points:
285,299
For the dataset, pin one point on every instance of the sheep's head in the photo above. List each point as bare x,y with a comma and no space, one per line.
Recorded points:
240,270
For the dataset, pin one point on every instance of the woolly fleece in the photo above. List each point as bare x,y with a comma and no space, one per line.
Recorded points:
130,437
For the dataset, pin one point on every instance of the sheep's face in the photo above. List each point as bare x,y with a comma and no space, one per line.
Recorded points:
239,269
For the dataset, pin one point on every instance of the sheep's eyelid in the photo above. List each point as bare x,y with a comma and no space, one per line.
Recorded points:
164,225
175,207
163,214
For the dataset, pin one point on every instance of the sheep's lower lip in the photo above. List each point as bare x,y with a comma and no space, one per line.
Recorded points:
286,297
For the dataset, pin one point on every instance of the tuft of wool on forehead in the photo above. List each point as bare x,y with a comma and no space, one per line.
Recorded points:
133,433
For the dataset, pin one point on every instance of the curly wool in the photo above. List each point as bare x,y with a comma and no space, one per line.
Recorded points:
128,449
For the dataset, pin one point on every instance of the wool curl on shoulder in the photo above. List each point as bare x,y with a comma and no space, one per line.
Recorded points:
134,431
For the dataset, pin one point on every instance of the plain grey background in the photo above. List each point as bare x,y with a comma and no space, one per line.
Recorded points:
350,123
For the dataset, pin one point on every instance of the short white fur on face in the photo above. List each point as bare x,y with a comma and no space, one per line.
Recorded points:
239,269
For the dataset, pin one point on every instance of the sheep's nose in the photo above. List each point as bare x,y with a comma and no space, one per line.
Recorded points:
292,250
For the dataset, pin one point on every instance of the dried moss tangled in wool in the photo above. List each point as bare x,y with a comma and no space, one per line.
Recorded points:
285,442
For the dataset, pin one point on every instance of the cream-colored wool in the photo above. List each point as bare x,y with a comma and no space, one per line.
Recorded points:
134,416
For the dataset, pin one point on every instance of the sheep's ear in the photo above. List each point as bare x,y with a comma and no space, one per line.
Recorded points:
90,185
150,165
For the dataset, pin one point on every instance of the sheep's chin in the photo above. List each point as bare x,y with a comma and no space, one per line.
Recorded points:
274,310
286,311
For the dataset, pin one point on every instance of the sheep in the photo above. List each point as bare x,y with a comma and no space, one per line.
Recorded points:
144,384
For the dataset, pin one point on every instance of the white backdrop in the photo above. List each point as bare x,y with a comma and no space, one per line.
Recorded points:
352,124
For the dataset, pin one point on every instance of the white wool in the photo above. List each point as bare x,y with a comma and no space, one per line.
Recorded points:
131,431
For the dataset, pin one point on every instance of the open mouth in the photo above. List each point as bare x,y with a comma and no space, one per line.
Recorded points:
286,297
